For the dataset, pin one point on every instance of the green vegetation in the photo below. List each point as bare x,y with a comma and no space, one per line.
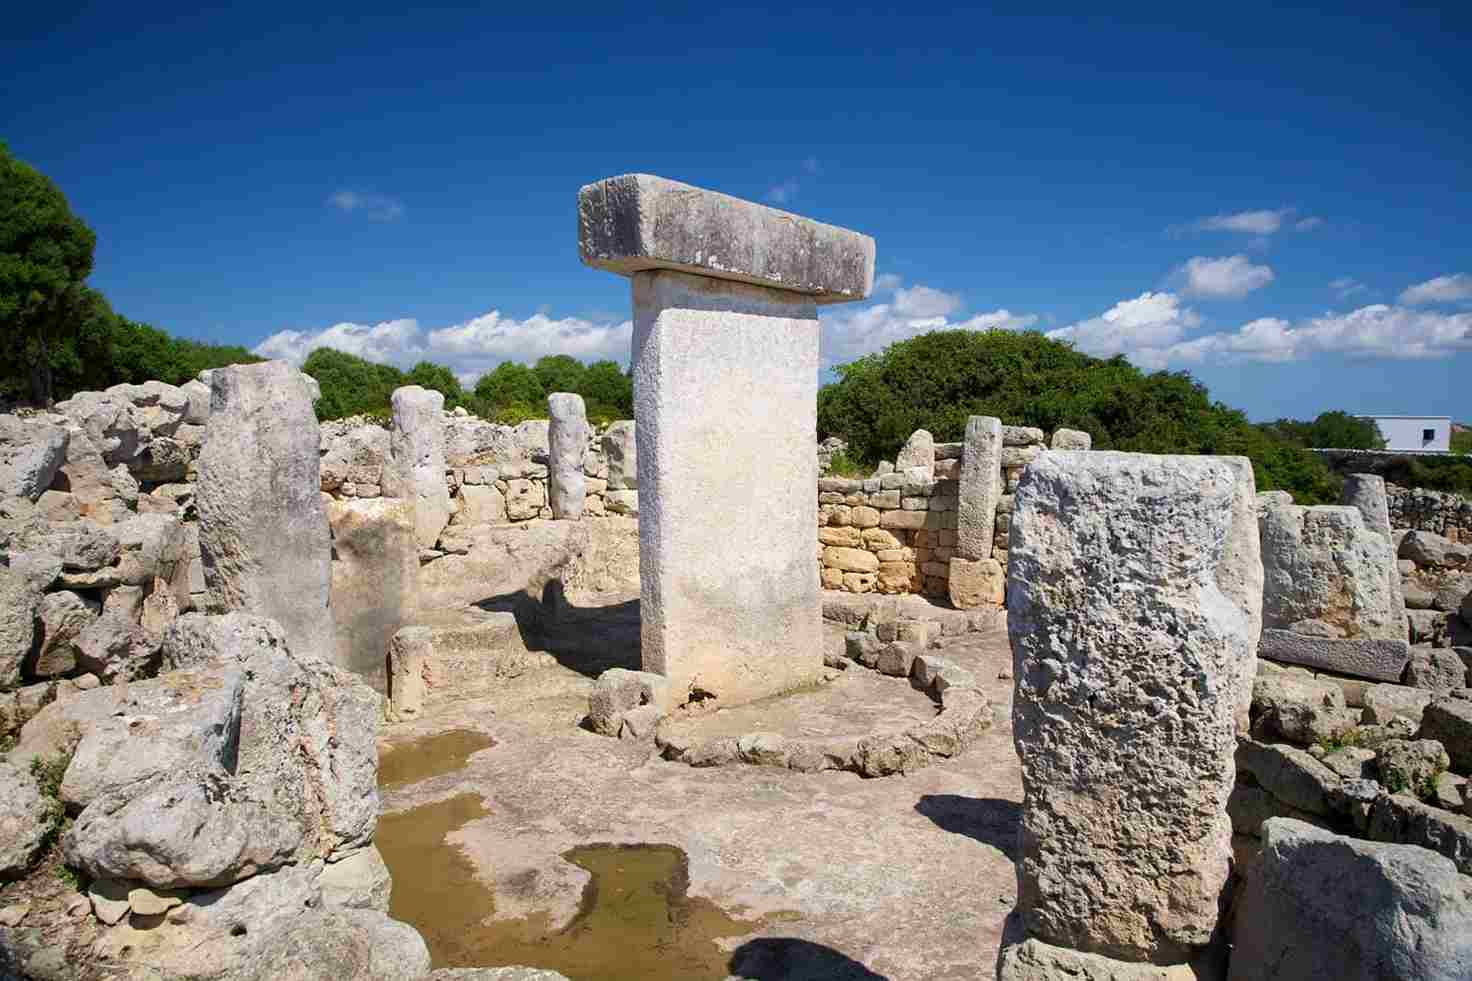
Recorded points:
1330,430
935,381
843,465
48,774
1461,440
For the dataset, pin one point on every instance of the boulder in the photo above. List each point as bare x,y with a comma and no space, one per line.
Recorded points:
353,455
480,504
1327,575
1437,669
918,451
26,820
1431,551
1290,774
1071,439
1128,659
199,639
63,617
82,546
1410,764
365,945
1322,906
619,448
416,469
567,437
359,880
618,691
1299,710
31,452
1384,702
1033,960
18,607
110,423
115,647
263,531
1449,722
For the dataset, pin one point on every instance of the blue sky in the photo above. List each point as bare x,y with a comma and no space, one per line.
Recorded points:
1278,201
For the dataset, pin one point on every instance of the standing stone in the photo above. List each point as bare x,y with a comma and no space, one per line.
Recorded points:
567,444
725,361
1366,493
1240,575
981,487
18,606
619,448
375,571
918,451
263,532
416,469
1127,655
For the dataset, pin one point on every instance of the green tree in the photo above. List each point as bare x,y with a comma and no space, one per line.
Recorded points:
45,258
510,383
351,385
427,374
559,373
608,389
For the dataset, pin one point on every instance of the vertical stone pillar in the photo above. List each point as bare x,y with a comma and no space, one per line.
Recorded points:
725,401
263,533
1366,492
1127,654
416,469
975,577
567,445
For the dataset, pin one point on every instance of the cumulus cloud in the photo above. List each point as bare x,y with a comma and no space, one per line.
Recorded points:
885,282
1347,286
1149,323
1227,276
378,207
923,301
468,348
1262,222
1442,289
849,332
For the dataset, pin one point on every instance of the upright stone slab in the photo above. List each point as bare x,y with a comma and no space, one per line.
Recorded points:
1365,492
1127,655
1240,574
975,577
918,451
416,469
619,448
263,532
725,386
567,442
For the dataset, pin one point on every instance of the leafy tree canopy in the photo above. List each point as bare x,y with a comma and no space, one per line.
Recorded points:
559,373
427,374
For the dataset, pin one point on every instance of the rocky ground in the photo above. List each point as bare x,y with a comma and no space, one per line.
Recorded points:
840,876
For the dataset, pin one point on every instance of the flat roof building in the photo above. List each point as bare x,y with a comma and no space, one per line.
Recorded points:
1415,434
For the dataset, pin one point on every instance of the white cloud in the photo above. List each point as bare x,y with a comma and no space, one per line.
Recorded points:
1228,276
1378,330
1264,222
849,332
1149,323
922,301
378,207
1442,289
886,281
1347,286
468,349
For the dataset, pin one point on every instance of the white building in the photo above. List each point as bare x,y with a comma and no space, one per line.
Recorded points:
1424,434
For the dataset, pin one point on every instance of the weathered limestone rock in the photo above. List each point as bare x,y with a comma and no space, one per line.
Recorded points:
619,447
31,452
981,488
1405,765
1240,575
567,442
1384,702
1299,710
18,606
1033,960
1071,439
1432,551
1381,660
638,222
1322,907
479,505
63,616
375,572
198,639
1366,493
355,455
359,881
109,422
918,451
408,656
1290,774
619,691
1449,722
489,561
25,820
1127,657
416,471
1438,669
263,529
976,582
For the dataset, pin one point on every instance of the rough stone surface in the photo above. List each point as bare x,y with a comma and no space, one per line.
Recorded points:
918,451
18,606
1449,722
1033,960
1438,669
1322,906
198,639
619,691
1127,658
1327,574
359,881
1299,710
974,583
567,439
1384,702
747,625
263,529
1240,575
1382,660
638,222
416,471
31,452
63,616
1409,764
1071,439
375,577
620,447
981,488
409,654
25,820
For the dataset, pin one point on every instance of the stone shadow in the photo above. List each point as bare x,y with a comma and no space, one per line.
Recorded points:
790,959
585,639
989,820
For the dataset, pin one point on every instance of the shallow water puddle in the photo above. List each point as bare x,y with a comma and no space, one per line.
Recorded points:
636,919
429,757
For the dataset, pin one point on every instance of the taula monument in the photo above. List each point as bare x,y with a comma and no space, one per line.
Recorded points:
725,363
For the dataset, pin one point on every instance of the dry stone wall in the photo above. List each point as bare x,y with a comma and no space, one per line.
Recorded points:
1439,512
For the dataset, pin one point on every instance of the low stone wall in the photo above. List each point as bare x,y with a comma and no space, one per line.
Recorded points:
1416,509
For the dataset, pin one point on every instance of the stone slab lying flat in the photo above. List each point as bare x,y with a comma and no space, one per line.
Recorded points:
636,222
1383,660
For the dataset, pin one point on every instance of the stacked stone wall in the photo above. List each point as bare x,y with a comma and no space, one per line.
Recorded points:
1439,512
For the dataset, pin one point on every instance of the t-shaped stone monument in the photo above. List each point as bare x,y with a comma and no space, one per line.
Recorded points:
725,360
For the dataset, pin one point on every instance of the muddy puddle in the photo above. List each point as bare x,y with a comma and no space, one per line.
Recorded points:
636,919
429,757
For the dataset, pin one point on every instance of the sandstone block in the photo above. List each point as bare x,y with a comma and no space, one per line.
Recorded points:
974,583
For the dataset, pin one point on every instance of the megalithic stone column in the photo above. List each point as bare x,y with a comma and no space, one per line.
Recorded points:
1366,491
1127,653
263,531
725,402
567,445
416,467
975,577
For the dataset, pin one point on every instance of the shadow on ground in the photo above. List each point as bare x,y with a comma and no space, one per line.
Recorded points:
585,639
989,820
789,959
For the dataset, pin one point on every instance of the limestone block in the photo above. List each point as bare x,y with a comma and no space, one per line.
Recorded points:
981,487
1127,655
620,448
639,222
1033,960
263,532
1071,439
1322,907
879,539
25,820
842,537
972,583
1299,710
1449,722
1240,574
18,605
918,451
1437,669
409,654
1384,702
1322,564
619,691
416,468
31,453
360,880
524,499
1022,436
567,441
375,572
1404,765
480,504
747,625
63,616
863,516
198,639
1382,660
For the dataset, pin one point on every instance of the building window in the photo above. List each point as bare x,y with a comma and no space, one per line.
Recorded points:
1428,435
